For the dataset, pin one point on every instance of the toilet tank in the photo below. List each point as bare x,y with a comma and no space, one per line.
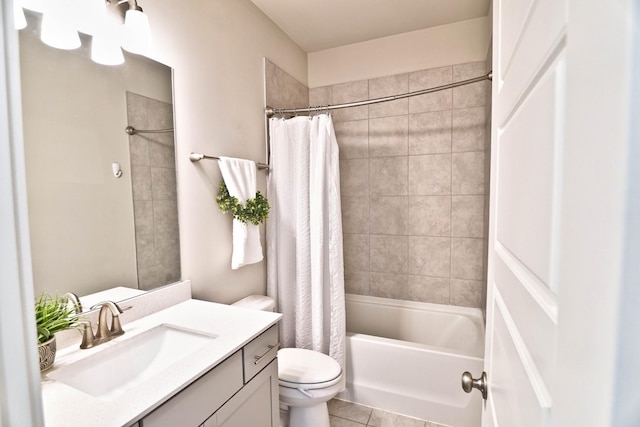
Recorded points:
257,302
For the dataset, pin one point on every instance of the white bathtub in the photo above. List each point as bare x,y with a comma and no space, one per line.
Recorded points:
408,357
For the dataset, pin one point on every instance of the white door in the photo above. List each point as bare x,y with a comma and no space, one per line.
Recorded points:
556,240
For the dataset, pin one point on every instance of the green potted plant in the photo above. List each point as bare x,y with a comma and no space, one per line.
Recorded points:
53,314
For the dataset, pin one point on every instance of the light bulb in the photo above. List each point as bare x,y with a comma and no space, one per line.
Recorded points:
105,44
90,15
106,50
57,28
136,37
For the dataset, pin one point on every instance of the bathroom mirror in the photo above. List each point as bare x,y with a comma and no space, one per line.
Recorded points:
91,227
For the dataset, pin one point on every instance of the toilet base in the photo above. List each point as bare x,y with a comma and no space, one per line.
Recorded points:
284,416
309,416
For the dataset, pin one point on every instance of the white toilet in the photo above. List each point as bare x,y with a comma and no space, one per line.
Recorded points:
308,379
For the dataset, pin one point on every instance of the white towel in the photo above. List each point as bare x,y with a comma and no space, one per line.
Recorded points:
240,178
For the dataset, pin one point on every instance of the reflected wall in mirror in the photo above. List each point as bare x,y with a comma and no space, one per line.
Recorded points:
91,230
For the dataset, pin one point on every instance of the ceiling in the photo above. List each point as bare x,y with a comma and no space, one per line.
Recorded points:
324,24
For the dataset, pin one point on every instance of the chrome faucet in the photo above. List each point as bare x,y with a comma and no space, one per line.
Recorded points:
105,332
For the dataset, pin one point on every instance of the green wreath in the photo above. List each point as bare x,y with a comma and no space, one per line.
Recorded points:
254,211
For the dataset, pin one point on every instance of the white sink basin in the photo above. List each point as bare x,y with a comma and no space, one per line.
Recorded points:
114,370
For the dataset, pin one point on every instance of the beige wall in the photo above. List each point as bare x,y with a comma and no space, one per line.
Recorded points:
458,43
216,48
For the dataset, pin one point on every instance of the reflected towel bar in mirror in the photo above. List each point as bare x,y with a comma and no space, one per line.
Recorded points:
132,131
196,157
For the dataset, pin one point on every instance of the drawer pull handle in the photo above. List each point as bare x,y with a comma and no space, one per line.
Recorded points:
259,358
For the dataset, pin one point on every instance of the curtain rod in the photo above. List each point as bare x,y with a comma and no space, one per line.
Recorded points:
269,111
196,157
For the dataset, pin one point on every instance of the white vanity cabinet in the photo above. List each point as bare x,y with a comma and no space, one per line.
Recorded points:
241,391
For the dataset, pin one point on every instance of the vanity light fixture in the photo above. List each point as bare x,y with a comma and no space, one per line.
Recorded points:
105,49
19,20
105,44
62,20
136,37
58,29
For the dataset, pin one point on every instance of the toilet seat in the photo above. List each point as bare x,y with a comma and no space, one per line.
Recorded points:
306,369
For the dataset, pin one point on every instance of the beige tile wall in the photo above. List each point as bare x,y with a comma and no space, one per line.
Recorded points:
155,204
282,90
413,183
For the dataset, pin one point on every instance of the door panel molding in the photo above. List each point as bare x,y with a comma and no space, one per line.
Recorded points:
529,399
541,294
526,180
538,385
544,35
536,330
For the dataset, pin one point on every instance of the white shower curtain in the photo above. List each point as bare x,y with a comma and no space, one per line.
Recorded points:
305,272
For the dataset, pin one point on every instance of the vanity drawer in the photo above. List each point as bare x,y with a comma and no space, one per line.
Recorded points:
193,405
260,352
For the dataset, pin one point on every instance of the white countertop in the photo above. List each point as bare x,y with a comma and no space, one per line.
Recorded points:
234,327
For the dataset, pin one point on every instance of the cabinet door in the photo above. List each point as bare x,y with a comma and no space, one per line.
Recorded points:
192,406
256,405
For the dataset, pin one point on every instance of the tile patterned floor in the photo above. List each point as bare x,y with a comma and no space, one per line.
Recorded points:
347,414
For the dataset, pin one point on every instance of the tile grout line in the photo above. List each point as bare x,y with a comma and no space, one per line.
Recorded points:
347,419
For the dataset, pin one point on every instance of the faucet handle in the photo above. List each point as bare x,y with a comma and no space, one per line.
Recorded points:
120,311
87,334
116,327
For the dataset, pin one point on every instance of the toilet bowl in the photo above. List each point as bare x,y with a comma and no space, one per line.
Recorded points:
307,379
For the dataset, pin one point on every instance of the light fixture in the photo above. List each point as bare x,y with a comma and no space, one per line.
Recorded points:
62,20
19,20
106,50
136,35
105,44
58,29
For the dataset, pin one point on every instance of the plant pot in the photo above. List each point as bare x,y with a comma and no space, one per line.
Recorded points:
47,353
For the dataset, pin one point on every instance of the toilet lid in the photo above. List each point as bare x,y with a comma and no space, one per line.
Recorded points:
300,368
